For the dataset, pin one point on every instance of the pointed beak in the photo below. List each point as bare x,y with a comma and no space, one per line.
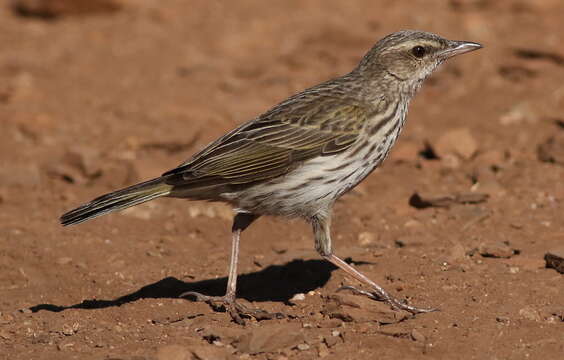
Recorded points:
459,47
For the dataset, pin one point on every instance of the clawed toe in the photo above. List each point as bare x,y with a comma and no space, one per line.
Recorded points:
201,297
237,310
258,314
356,291
387,298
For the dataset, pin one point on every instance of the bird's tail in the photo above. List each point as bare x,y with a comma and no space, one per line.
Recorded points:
117,200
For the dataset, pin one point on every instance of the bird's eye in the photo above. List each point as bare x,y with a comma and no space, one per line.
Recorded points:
418,51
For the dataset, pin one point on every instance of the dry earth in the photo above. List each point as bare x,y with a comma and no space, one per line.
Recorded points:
95,95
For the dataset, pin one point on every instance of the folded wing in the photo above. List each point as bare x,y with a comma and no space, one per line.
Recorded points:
274,144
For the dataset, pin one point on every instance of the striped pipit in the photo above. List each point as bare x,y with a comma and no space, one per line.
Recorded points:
299,157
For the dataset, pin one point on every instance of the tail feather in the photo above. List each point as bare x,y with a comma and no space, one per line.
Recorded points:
117,200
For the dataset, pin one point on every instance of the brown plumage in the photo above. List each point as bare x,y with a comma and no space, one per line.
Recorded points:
299,157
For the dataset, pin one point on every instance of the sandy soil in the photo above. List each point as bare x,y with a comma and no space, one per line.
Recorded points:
95,97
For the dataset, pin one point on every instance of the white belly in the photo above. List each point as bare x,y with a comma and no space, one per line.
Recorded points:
314,186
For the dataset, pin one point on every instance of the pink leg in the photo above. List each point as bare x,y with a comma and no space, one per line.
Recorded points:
321,228
235,309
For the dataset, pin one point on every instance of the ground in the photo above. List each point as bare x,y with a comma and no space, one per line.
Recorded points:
96,95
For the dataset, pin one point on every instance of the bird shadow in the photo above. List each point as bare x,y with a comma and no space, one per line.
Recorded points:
273,283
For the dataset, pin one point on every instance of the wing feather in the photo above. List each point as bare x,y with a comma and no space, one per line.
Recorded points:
278,141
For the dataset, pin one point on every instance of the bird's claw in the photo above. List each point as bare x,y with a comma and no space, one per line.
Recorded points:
236,310
387,298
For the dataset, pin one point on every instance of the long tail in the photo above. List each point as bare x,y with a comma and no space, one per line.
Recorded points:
117,200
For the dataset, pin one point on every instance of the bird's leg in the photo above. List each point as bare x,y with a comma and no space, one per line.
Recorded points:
322,231
235,309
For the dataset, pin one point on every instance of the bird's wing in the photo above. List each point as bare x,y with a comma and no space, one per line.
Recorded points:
276,142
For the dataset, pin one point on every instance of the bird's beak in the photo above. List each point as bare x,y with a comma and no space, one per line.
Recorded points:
459,47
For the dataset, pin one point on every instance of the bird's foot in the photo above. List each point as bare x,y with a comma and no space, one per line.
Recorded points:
380,295
237,310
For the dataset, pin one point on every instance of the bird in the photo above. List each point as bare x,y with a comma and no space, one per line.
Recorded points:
296,159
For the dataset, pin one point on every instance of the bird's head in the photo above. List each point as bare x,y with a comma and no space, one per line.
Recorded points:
410,56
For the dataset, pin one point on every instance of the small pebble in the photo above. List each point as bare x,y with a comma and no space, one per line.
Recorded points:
458,141
366,238
555,259
412,223
514,270
4,335
331,341
496,249
530,313
298,297
417,336
323,351
64,260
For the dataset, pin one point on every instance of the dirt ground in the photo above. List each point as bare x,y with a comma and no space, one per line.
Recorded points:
96,95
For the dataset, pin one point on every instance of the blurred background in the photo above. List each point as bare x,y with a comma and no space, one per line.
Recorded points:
99,94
